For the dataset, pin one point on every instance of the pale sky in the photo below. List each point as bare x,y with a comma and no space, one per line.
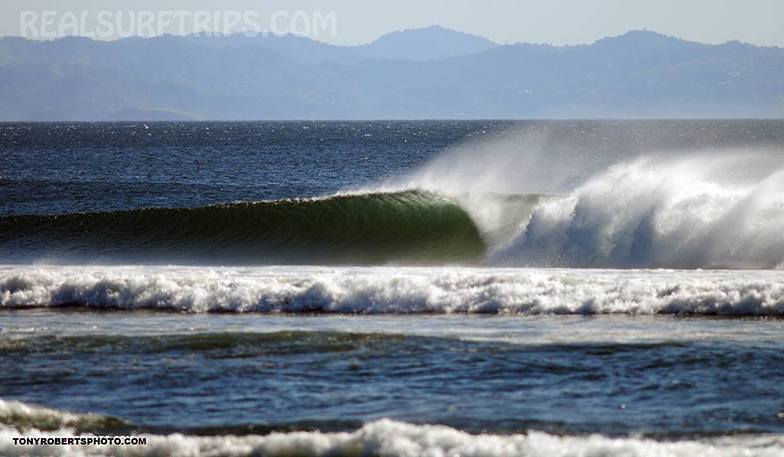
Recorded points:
559,22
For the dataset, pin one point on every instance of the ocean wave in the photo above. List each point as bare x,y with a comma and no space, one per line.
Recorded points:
396,290
684,213
648,213
672,209
409,227
383,437
236,343
24,417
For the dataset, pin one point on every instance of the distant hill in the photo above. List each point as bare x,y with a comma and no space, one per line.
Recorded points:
424,73
431,43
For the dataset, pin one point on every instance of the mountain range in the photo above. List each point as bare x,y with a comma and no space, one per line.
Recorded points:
414,74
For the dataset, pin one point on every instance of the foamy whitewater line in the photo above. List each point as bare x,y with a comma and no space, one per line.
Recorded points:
388,290
23,417
380,438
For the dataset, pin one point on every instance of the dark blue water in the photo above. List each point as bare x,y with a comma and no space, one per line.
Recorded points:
62,168
69,167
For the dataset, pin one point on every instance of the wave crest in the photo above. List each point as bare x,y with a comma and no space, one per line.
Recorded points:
650,214
376,228
23,417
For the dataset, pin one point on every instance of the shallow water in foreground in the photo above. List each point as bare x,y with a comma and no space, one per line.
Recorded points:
665,377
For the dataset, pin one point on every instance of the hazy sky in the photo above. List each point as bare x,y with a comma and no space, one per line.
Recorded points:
544,21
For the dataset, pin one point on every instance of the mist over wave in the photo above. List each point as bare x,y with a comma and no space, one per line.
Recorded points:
683,213
669,209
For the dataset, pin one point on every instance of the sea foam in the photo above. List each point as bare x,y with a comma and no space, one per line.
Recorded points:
396,290
383,437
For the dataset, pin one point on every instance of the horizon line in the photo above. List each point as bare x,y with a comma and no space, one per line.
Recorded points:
267,34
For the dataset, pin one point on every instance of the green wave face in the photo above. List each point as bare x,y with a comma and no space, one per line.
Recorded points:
382,228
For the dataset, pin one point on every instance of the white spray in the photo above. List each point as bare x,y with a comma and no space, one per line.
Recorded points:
694,209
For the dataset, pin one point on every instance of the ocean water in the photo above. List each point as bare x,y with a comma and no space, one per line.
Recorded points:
482,288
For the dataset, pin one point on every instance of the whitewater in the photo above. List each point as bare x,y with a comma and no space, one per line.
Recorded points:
395,290
384,438
671,209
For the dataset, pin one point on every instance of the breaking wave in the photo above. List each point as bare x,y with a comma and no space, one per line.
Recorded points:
701,211
376,228
685,213
24,417
379,438
396,290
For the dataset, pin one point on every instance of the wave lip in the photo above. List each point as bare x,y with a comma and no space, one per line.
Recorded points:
373,228
382,437
396,290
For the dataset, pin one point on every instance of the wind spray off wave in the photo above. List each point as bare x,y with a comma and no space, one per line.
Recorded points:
684,213
676,209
